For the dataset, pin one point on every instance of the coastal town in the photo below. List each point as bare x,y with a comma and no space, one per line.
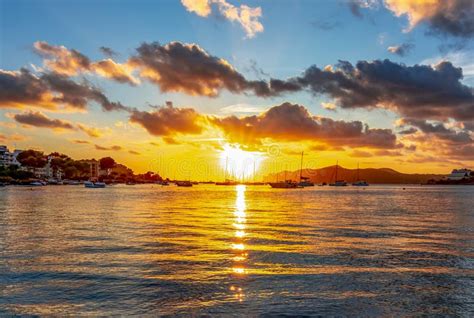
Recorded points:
33,167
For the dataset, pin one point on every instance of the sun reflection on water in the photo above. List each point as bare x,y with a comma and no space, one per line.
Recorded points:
238,246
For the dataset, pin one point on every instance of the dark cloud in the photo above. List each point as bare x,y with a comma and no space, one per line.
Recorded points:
111,148
402,49
78,95
168,120
444,17
38,119
439,130
289,122
354,6
418,91
453,17
108,52
187,68
50,90
21,88
408,131
133,152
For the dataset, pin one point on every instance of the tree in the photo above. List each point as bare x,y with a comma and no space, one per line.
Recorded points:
32,158
106,163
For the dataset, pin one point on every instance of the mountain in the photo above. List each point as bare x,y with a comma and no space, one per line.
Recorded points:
371,175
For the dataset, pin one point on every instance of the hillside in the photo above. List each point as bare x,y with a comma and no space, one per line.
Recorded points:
371,175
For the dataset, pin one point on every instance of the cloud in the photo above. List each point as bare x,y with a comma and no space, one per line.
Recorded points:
463,59
78,95
241,108
356,5
419,91
133,152
78,141
64,61
187,68
169,121
12,137
201,7
246,16
360,154
111,148
19,89
402,49
438,130
329,106
121,73
108,52
38,119
91,131
170,140
446,17
291,122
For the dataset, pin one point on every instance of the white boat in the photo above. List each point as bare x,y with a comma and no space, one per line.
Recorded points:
36,184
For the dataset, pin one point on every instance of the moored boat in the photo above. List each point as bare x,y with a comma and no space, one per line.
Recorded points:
184,183
227,183
304,181
288,184
359,182
90,184
338,183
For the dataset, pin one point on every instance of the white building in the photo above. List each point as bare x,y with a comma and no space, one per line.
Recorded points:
8,158
459,174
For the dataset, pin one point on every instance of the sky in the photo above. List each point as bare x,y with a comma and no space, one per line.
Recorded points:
179,86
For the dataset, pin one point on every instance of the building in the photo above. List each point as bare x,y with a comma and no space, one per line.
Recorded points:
93,168
8,158
459,174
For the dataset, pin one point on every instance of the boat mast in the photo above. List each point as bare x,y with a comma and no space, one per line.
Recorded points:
225,175
254,171
301,166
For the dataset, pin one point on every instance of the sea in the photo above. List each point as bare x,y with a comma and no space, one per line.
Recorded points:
242,251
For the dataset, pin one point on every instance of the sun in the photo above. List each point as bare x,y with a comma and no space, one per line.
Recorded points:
239,164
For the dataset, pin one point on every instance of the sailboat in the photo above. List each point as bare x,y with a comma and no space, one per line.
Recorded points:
338,183
359,183
226,182
286,184
304,181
